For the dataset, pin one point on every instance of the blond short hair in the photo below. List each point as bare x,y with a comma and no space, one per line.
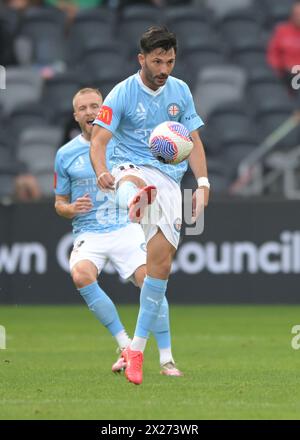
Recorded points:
84,91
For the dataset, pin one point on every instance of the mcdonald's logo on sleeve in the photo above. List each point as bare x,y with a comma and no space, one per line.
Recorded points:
105,115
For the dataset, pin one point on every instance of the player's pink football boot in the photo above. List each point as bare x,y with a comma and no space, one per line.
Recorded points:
140,201
169,369
119,365
134,365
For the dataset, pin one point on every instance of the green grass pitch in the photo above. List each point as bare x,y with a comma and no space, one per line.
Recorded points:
238,364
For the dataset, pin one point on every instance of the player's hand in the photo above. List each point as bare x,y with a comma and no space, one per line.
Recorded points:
199,202
106,181
82,204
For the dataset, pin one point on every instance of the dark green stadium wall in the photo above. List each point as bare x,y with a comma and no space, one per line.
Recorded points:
249,252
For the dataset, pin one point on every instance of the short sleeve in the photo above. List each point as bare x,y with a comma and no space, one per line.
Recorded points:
111,111
190,118
62,184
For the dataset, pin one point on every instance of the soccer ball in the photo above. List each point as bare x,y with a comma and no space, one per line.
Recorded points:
170,142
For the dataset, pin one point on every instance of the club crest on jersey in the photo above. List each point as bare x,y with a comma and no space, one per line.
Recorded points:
173,110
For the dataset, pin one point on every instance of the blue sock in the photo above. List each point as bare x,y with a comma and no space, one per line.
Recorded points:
102,306
126,191
152,295
161,327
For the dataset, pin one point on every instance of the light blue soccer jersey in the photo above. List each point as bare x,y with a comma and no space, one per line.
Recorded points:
132,110
75,176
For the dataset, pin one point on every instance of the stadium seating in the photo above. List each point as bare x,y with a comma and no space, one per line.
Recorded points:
37,157
103,60
222,8
269,95
23,85
37,148
50,135
105,82
271,121
275,11
221,55
261,73
25,116
240,26
6,186
218,85
219,176
7,159
45,181
189,22
251,53
90,28
8,27
199,56
235,152
44,27
133,22
58,93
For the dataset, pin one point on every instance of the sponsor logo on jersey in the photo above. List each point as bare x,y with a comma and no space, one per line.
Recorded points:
173,110
105,115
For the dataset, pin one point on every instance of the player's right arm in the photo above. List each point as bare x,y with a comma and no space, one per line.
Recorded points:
105,125
66,209
99,140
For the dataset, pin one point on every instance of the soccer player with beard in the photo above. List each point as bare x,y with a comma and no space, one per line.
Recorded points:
127,117
102,232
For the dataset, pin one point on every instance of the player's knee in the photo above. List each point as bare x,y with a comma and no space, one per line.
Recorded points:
160,270
140,183
82,277
165,270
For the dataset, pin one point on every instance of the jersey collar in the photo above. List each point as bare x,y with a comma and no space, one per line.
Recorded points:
82,140
146,88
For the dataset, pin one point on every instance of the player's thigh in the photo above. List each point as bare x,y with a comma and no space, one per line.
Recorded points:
128,250
89,252
160,253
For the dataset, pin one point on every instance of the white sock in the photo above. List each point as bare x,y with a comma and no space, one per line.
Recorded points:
165,356
138,344
123,339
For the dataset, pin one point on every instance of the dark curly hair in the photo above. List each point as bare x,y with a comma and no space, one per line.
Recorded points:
158,36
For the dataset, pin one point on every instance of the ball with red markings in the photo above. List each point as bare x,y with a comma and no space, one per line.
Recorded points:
170,142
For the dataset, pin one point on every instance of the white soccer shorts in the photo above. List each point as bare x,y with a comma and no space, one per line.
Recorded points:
166,212
125,248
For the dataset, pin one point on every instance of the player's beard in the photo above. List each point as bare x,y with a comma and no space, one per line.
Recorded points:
86,130
152,79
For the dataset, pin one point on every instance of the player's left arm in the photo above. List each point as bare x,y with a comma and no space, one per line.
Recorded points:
197,161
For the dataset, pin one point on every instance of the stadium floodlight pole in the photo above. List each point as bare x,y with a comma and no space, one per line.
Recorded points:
247,167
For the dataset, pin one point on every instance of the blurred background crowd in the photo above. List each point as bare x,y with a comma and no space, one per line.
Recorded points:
239,58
